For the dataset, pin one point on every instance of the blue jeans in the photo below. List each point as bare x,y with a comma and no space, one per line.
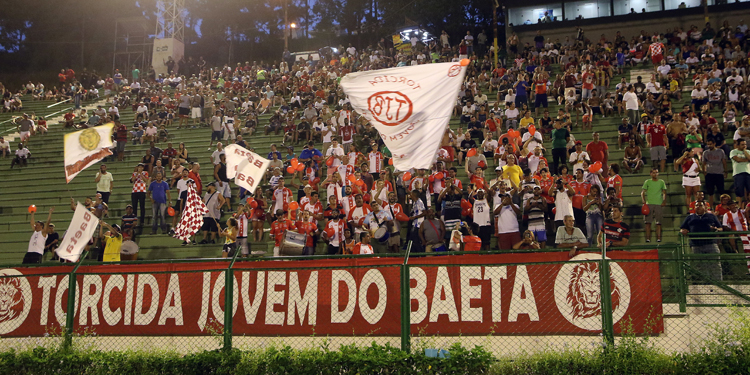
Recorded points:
77,101
158,210
594,224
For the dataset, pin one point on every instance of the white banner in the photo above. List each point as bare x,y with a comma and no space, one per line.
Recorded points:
86,147
78,235
410,107
246,167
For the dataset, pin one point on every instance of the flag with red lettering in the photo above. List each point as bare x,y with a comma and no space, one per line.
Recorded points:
246,167
192,216
410,107
78,235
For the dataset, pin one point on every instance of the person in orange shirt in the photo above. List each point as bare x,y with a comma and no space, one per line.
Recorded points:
305,226
363,247
477,178
279,228
615,181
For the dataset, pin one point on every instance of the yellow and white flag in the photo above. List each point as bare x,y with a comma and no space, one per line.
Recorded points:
86,147
409,106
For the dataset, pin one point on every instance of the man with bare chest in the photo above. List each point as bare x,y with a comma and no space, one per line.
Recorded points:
676,131
633,160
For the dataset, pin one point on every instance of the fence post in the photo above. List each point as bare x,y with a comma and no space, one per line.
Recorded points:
681,282
70,315
606,298
406,302
229,302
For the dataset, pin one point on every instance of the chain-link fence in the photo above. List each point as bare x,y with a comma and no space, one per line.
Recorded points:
673,297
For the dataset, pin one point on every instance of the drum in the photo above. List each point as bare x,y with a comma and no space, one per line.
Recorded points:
382,234
292,244
129,251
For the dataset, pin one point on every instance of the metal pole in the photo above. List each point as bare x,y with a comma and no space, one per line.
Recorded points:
229,302
681,282
286,27
494,28
606,294
114,54
406,302
70,314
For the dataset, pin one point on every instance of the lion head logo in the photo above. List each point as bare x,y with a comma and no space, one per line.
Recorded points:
15,300
578,292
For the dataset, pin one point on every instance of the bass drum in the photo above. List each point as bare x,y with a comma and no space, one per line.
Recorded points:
129,250
293,244
381,234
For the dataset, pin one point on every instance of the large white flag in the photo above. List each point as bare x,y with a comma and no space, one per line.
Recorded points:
410,107
246,167
86,147
78,235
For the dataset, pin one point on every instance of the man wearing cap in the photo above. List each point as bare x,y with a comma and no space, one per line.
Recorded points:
112,242
38,239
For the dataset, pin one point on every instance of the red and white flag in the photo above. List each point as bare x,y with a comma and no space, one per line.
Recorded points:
409,106
192,216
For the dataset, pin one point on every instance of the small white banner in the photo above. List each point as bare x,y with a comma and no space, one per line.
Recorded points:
410,107
78,235
246,167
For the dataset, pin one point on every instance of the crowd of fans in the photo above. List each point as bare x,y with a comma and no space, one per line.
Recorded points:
349,198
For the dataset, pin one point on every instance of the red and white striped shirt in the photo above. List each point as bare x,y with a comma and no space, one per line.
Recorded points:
358,213
735,221
242,224
337,226
376,161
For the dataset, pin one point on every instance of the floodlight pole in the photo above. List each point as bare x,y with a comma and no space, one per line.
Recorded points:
494,29
287,30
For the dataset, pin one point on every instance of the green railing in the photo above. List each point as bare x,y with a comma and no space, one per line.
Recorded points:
507,301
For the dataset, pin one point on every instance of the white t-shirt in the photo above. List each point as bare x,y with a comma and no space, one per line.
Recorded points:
563,204
481,211
577,160
216,156
511,114
698,94
631,101
36,243
507,221
338,151
537,141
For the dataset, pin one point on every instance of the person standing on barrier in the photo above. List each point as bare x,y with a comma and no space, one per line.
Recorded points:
700,222
417,218
741,170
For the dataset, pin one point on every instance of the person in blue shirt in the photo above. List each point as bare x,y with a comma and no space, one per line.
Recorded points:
620,60
310,153
703,221
161,198
521,87
274,151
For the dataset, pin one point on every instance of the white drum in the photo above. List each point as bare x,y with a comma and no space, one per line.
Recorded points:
129,250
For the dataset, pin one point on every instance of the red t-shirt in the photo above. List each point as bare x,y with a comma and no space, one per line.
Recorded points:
597,152
307,228
657,132
615,182
346,133
278,228
472,243
588,81
582,190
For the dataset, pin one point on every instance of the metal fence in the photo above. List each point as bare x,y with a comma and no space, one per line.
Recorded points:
510,303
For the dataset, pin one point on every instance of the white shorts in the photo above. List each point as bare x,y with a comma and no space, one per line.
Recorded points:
25,135
226,190
276,250
691,181
195,112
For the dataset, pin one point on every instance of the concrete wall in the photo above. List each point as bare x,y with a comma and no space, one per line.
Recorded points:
630,25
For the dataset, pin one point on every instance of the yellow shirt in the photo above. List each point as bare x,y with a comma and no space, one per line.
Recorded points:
513,173
525,122
112,249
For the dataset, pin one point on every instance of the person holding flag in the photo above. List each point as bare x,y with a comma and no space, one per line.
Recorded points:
38,239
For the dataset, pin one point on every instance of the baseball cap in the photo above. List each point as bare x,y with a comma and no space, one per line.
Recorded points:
644,115
579,143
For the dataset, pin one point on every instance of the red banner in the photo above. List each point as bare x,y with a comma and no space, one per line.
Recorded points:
486,294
